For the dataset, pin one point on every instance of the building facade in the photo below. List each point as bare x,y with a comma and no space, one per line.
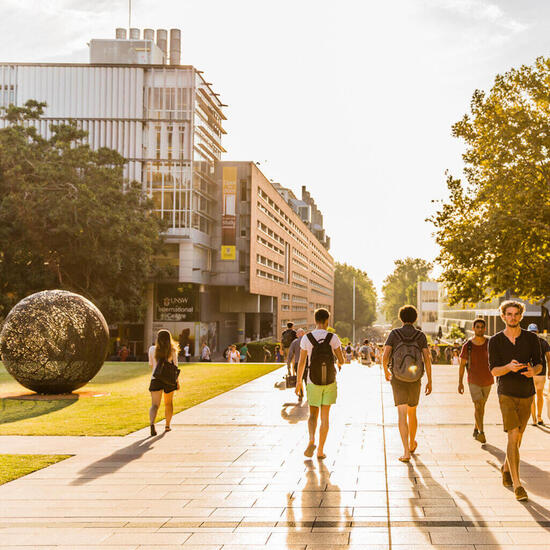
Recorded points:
428,305
135,97
464,316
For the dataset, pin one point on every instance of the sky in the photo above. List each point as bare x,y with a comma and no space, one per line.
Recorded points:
353,98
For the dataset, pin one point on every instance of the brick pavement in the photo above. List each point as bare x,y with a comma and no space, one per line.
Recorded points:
231,475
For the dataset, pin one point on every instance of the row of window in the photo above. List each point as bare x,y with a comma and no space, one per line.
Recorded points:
271,276
299,263
299,277
269,263
268,231
299,299
266,211
270,245
271,203
285,296
298,285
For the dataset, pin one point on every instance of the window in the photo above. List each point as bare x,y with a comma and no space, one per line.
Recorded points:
244,194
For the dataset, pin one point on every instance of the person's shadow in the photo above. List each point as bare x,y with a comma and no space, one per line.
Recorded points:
295,412
542,481
116,460
424,482
316,483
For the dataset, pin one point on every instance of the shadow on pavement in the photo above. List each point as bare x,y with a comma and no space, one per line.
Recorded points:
13,410
540,514
472,517
116,460
316,482
280,385
295,412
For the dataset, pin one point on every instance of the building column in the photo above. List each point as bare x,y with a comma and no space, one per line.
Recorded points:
241,326
148,322
256,329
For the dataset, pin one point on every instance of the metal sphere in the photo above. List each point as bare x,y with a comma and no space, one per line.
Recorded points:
54,341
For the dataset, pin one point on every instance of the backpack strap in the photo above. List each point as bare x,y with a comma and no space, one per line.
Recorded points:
469,348
328,338
311,338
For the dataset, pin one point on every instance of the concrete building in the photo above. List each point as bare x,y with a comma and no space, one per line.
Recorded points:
427,306
136,97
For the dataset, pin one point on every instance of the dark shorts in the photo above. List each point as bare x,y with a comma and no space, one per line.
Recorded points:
157,385
515,411
406,393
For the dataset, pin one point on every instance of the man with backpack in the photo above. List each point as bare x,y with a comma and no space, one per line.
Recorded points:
319,347
288,336
475,357
406,355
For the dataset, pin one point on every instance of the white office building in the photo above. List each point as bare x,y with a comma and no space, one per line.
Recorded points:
135,97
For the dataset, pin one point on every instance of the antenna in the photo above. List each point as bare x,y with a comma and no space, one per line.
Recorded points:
129,15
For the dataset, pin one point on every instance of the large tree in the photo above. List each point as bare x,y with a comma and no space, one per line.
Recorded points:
494,230
400,287
67,220
365,298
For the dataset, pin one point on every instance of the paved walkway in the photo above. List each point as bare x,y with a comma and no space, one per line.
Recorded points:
231,475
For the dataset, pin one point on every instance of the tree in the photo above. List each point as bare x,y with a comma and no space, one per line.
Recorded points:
400,287
365,297
494,230
68,220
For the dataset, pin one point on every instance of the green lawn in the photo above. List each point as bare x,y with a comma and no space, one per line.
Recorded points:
125,410
14,466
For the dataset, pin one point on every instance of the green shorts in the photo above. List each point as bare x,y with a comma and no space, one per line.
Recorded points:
321,395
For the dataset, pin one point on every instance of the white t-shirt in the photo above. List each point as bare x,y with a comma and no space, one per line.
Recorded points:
234,356
153,362
186,350
319,334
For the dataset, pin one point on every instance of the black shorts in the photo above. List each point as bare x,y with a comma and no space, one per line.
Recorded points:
157,385
406,393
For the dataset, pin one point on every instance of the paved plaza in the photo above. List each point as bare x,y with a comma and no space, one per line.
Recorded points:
232,475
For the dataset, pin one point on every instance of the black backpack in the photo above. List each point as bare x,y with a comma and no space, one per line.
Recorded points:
167,372
321,364
289,335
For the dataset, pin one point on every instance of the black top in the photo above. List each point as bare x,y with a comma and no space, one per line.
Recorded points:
526,350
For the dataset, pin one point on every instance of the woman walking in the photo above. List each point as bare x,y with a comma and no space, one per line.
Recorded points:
165,349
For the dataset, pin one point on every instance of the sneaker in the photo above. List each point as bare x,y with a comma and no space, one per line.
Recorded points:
481,437
521,493
153,430
475,434
506,478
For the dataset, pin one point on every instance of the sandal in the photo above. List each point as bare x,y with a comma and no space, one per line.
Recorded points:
167,429
321,457
404,459
412,449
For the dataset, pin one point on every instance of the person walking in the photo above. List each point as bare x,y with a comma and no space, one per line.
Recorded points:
405,358
455,358
515,359
187,353
474,357
164,349
245,354
318,349
366,353
288,336
293,355
233,356
205,353
540,379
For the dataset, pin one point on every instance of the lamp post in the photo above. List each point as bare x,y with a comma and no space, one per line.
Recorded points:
353,315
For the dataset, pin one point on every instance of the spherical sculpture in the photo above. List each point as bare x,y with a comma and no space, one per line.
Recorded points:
54,341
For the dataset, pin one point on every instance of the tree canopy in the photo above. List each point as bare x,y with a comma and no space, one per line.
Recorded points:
494,229
400,287
365,299
68,220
